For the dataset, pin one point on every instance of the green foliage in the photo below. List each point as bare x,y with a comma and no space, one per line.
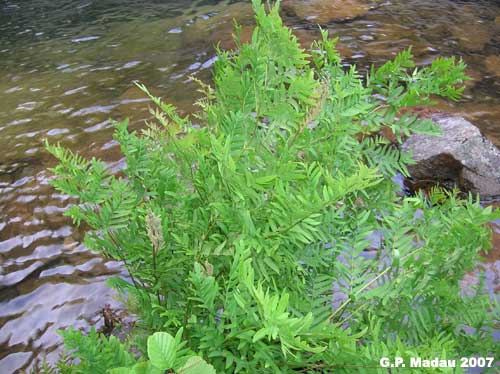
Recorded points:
96,354
247,238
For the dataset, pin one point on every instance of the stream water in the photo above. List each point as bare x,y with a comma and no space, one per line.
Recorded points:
67,66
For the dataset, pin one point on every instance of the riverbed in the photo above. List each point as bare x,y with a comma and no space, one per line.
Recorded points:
68,66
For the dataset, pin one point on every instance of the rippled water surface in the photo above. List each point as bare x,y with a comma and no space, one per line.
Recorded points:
66,67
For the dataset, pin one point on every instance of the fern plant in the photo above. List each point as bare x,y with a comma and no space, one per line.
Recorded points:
248,238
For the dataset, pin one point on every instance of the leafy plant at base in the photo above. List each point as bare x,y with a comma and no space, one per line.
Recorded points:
247,237
100,355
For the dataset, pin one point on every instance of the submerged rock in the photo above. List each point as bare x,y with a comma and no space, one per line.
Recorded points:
493,64
472,37
217,27
461,156
324,11
306,37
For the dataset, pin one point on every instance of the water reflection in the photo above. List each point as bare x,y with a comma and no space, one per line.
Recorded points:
67,67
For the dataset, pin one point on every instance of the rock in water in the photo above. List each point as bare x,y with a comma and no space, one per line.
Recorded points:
462,155
324,11
493,64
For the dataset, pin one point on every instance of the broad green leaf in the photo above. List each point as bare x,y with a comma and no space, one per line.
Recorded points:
140,368
196,365
146,368
162,350
122,371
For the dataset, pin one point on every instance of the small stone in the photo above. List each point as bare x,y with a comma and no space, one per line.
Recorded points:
366,37
462,155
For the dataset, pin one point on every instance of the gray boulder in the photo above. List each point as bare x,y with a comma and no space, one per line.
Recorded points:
461,156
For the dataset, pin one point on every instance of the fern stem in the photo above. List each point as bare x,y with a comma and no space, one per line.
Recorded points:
124,260
368,284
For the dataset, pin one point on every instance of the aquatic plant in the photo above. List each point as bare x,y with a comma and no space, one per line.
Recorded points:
248,238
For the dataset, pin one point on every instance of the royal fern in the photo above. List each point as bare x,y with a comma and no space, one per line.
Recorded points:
272,239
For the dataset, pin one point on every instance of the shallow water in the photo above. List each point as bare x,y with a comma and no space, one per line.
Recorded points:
67,66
